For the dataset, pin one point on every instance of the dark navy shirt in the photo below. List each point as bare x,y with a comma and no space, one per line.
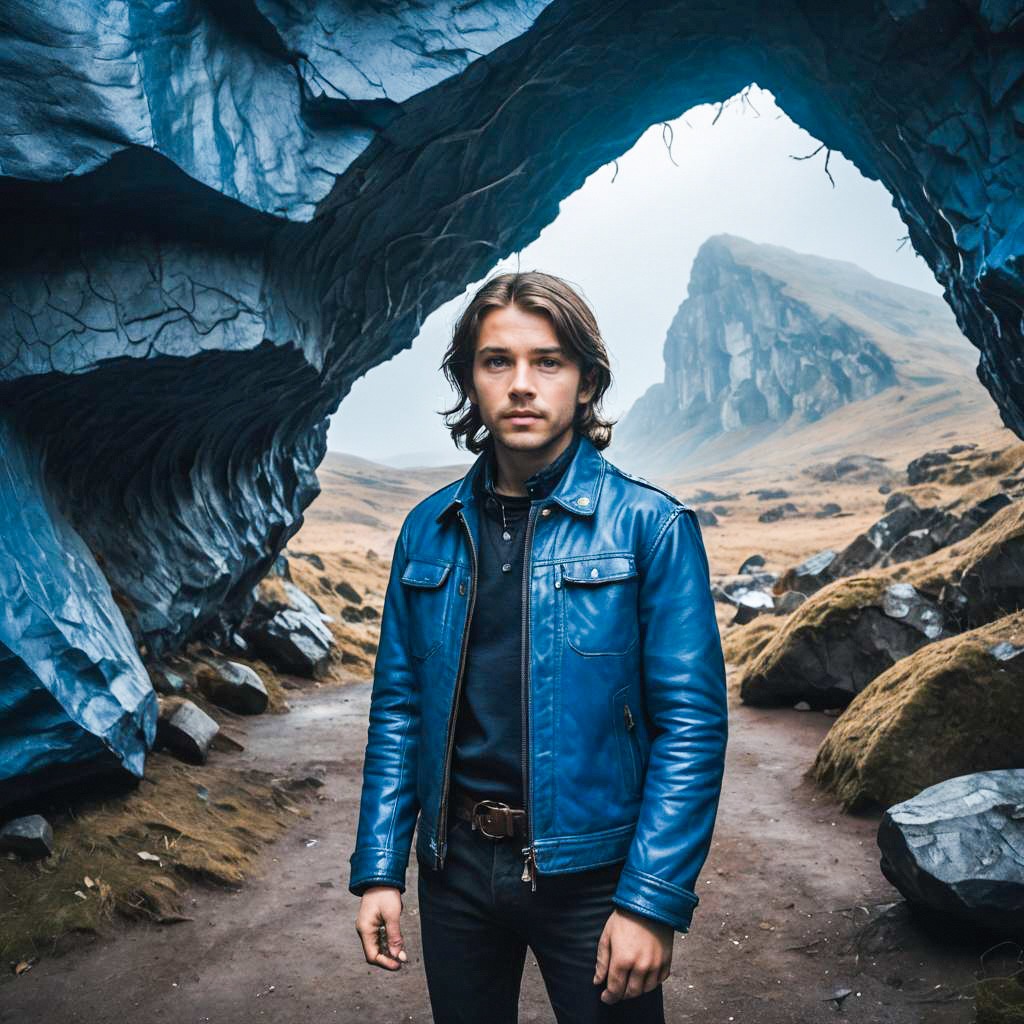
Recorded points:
487,761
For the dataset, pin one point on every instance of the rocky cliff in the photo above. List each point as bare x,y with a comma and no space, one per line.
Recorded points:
767,336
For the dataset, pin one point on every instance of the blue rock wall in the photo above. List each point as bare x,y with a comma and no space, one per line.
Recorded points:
220,213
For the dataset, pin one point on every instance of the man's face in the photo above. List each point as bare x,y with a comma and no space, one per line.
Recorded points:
519,366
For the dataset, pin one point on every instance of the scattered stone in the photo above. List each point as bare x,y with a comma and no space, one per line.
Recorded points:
286,627
801,705
957,848
884,488
166,682
951,707
830,508
186,730
810,575
770,494
927,467
898,498
347,591
315,560
721,510
706,517
851,467
751,563
788,602
233,686
30,837
915,544
771,515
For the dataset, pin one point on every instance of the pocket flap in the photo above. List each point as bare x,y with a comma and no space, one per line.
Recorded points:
599,569
425,574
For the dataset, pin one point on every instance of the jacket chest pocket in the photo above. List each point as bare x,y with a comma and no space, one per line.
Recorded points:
599,604
428,598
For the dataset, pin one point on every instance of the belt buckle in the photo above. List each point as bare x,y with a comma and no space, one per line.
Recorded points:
492,805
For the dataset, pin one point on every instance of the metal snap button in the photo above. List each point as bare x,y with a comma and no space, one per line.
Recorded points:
558,584
584,500
545,511
507,567
593,572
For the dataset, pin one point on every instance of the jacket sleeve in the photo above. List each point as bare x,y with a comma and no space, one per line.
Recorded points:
684,680
389,806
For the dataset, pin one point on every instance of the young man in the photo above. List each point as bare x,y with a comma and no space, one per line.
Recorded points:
549,693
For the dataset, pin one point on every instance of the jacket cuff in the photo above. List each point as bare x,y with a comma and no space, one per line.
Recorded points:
376,865
656,898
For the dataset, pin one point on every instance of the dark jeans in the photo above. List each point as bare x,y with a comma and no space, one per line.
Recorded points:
477,918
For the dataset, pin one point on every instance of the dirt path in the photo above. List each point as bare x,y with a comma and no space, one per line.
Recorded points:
788,886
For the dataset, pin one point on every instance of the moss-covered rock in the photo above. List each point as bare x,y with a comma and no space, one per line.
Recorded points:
838,640
953,707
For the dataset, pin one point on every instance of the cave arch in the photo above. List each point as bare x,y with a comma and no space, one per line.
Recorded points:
214,212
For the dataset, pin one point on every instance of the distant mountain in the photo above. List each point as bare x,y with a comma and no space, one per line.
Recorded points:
770,337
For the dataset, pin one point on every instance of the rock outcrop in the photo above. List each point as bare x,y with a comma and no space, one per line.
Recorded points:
768,336
217,217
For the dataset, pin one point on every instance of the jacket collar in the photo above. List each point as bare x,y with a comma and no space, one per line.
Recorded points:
577,491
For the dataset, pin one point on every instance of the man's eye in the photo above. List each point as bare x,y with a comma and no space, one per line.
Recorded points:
491,360
552,362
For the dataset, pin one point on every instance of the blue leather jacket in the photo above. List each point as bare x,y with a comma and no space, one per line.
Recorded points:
625,719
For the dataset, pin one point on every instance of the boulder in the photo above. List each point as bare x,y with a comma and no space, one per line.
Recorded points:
838,640
951,707
810,575
771,515
751,563
166,681
30,837
957,848
347,591
286,627
927,467
830,508
988,579
233,686
851,467
788,602
186,730
706,517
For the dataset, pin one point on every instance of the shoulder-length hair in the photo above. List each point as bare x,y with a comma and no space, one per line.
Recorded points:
574,325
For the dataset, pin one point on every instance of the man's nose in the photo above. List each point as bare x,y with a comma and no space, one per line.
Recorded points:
522,380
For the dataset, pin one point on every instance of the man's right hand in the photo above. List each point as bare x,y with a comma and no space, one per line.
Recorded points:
378,927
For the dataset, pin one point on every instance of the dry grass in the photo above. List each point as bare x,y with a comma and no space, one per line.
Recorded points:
214,840
948,709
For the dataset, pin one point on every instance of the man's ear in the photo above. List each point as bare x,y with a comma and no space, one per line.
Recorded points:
588,385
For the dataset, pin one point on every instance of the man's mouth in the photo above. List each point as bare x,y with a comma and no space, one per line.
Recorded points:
522,416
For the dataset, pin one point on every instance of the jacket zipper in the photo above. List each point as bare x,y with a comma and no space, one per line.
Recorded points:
442,817
528,851
630,736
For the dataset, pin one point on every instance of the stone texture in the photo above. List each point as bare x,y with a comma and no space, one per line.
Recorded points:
958,848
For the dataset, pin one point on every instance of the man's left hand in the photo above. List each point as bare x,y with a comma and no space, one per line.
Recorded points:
634,953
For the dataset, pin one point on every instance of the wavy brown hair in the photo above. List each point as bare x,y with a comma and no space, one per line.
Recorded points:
574,325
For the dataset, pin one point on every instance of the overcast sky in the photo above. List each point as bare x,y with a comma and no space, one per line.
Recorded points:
628,246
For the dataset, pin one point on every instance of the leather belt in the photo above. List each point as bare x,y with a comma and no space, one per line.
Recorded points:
492,818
